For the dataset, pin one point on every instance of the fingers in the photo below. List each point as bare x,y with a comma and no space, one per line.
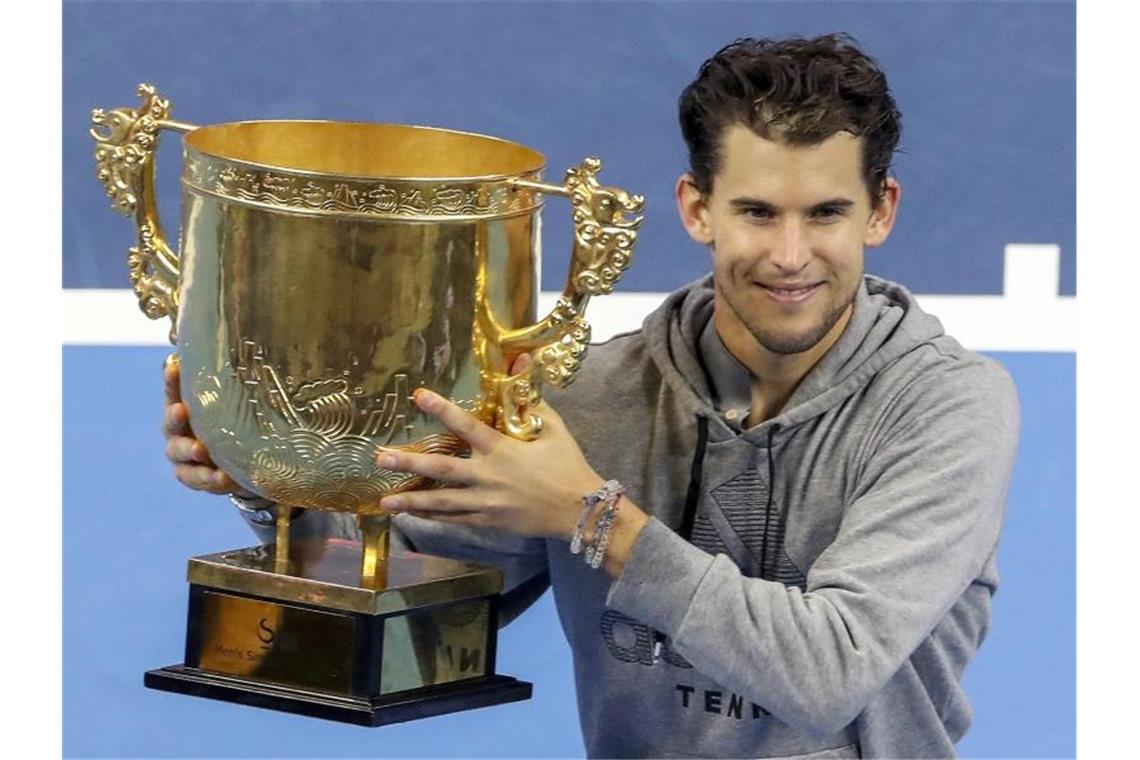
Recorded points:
176,415
458,518
176,420
182,449
434,466
171,375
192,463
437,504
463,424
204,478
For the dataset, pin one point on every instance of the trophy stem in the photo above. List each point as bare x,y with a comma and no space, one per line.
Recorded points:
375,531
281,551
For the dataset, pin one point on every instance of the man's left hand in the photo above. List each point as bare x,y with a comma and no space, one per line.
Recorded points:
530,488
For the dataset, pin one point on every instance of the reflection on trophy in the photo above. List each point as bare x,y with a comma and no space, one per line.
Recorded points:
325,271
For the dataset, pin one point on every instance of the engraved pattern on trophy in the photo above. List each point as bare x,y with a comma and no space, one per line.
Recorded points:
328,327
317,439
125,141
337,195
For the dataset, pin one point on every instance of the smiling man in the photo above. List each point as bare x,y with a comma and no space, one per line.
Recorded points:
787,487
786,225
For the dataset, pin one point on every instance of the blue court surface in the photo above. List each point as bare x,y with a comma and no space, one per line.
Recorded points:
129,528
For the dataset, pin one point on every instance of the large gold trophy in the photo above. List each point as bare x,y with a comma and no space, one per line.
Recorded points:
327,270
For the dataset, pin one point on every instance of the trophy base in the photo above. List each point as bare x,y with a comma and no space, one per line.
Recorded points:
410,705
311,636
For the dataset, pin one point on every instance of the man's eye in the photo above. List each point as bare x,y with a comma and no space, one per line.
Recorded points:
758,213
827,213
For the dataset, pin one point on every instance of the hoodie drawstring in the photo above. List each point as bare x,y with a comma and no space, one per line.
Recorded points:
689,514
768,507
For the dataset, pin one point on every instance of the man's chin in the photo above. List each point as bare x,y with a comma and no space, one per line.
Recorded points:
790,342
797,339
795,335
788,345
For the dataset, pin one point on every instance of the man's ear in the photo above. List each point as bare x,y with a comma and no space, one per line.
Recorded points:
692,209
883,216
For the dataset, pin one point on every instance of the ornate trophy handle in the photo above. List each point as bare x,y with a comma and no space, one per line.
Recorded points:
603,249
125,141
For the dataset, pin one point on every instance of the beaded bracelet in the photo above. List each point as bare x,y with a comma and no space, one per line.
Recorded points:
606,493
597,549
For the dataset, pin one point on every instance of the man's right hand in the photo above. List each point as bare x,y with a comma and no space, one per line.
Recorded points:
192,463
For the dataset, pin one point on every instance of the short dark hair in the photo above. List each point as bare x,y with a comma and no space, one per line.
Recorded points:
797,90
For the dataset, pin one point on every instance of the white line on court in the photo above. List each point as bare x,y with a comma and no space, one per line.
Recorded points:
1028,316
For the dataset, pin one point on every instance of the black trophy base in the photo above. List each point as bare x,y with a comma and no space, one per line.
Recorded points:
377,711
311,636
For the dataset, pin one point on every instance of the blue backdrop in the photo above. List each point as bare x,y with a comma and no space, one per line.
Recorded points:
987,91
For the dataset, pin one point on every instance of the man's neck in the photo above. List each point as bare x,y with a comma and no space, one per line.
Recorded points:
775,377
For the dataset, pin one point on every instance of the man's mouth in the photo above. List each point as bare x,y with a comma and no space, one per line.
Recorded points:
791,293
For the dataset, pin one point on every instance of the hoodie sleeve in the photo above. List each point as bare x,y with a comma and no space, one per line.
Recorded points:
925,519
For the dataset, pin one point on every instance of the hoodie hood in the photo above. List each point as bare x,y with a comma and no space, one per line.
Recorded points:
885,324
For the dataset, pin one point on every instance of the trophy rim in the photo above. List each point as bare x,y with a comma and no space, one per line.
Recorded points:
536,168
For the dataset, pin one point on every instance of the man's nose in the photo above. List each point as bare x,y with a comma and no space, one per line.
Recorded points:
790,252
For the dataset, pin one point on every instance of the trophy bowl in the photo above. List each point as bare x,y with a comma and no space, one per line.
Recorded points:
325,270
328,269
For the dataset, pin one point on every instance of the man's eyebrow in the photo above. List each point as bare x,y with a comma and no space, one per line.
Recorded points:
752,203
756,203
833,203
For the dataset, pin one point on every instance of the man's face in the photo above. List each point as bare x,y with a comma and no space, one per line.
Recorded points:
787,226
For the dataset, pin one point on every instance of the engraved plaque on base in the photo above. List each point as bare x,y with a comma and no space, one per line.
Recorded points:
314,642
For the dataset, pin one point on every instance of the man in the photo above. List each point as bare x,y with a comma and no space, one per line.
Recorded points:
803,558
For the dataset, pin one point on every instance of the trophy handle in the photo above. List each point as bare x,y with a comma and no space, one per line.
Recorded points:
604,240
125,142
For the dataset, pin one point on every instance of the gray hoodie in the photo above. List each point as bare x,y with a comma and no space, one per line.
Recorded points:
813,586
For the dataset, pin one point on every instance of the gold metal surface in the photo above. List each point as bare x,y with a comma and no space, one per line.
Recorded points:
603,249
375,531
403,196
328,269
281,546
276,643
435,646
366,150
328,575
125,141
